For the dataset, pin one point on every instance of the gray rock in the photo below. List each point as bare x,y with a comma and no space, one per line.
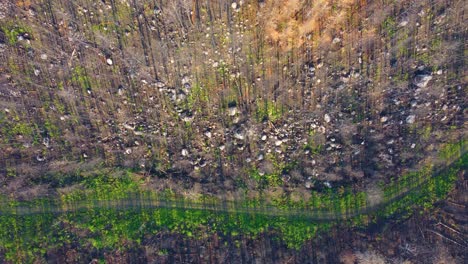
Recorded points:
403,23
232,111
260,157
180,96
160,84
411,119
239,136
185,80
46,142
421,81
187,118
186,115
184,152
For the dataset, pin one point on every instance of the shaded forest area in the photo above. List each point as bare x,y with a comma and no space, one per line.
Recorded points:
223,96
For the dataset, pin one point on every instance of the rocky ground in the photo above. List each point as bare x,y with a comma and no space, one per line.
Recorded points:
203,99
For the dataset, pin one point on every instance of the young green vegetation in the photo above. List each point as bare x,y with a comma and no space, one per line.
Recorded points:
113,229
425,187
271,111
117,212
